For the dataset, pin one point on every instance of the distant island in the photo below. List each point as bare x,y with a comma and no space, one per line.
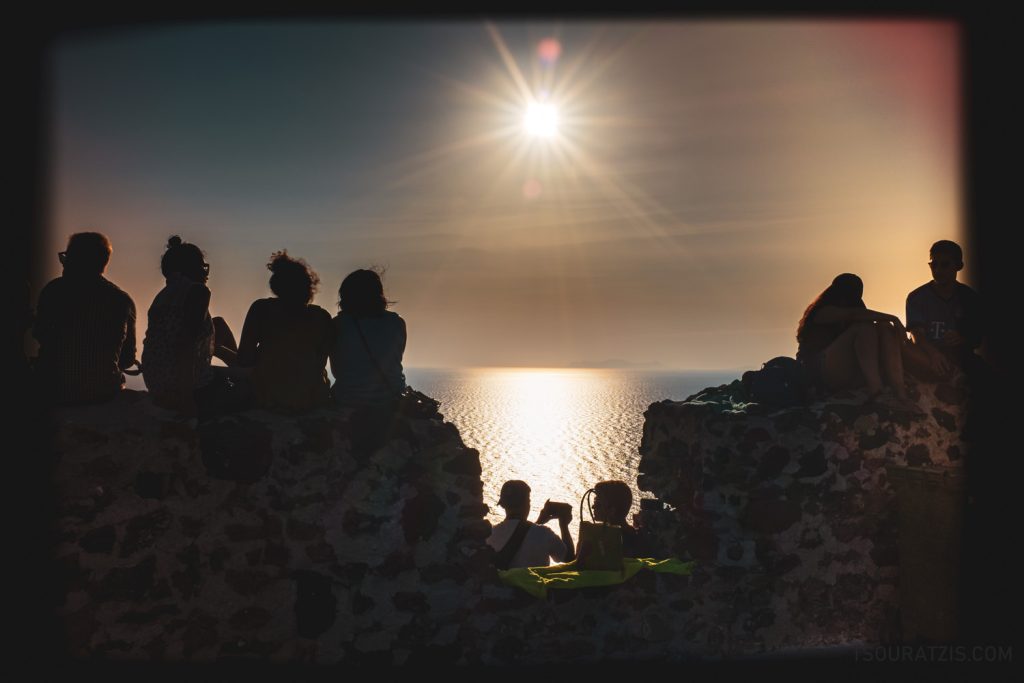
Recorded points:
612,363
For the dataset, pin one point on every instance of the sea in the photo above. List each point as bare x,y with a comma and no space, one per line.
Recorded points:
560,430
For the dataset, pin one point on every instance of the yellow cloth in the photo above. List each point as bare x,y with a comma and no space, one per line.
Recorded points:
537,580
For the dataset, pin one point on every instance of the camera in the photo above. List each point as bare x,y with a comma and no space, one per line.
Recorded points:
555,511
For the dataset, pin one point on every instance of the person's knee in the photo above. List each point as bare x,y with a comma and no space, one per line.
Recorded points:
892,332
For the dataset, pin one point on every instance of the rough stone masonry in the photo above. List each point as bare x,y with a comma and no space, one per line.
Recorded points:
264,536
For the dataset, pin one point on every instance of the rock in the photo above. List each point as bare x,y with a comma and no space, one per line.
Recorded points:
187,581
396,563
770,516
356,522
236,448
465,462
247,582
420,515
407,601
773,462
315,605
127,583
200,632
812,464
154,485
917,455
99,540
361,604
946,420
143,531
148,616
320,552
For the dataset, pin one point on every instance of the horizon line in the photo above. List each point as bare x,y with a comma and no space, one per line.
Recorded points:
570,367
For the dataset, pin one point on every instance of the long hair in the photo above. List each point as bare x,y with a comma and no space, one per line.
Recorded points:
846,291
293,279
362,294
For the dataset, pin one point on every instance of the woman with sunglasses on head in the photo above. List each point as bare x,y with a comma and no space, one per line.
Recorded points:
182,338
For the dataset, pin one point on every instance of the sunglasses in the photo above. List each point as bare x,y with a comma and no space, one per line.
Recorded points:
61,255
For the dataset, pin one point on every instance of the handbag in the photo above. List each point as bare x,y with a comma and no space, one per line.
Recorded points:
600,544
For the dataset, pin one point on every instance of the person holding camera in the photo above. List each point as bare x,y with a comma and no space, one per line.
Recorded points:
521,543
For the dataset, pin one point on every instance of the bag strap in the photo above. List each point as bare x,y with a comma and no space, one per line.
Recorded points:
504,557
586,497
369,353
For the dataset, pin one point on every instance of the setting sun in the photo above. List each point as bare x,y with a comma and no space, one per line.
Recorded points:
541,120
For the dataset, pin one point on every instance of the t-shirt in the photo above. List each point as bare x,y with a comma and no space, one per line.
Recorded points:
287,347
540,544
85,327
362,379
961,312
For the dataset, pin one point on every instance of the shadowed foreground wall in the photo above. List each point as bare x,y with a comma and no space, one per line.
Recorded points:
313,554
794,513
322,557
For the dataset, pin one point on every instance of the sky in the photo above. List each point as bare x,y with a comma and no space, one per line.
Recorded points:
706,179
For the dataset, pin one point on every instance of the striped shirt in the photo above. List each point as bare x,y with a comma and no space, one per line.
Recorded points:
85,327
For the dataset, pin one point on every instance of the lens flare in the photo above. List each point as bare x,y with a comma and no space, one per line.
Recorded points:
532,189
549,50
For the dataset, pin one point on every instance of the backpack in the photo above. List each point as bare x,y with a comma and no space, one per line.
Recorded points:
600,545
780,382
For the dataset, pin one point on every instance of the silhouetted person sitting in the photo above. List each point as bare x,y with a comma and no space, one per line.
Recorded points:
369,342
612,502
182,339
845,345
520,543
366,359
286,340
85,326
944,317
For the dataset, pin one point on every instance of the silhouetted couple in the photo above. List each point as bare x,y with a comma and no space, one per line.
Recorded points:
521,543
287,342
845,345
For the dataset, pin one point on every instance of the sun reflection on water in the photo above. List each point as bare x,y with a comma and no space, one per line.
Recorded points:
559,430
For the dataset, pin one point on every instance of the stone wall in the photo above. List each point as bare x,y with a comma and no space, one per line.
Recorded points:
269,537
792,512
323,556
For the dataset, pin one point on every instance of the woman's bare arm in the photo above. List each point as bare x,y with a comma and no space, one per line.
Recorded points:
828,315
